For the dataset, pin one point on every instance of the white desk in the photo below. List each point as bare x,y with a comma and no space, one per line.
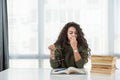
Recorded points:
44,74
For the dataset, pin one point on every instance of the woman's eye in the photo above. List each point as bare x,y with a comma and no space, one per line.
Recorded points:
70,33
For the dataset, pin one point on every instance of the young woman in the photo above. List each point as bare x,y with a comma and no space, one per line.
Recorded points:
70,49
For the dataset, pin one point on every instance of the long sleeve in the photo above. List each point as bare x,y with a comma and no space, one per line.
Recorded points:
56,63
84,58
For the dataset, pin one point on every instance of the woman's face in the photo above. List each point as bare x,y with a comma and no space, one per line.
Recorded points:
71,33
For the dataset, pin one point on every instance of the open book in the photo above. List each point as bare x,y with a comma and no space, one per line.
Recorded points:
70,70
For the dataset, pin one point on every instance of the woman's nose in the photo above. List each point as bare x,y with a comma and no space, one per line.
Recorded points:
73,34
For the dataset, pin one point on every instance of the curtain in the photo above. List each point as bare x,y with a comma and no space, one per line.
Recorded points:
4,56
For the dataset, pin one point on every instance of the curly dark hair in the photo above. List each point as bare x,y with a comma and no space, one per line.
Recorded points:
63,39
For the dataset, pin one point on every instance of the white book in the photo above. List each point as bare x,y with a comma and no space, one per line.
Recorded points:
70,70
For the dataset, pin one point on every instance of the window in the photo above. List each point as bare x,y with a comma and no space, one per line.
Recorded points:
23,33
34,27
91,14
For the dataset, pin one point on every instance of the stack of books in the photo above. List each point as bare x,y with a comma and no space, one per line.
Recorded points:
103,64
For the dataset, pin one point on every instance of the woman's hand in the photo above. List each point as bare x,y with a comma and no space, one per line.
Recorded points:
73,43
52,48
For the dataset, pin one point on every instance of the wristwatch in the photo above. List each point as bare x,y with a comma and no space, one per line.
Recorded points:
75,50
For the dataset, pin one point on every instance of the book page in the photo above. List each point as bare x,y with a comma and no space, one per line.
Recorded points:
70,70
73,70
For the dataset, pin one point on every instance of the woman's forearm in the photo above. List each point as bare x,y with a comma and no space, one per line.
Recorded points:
52,56
77,56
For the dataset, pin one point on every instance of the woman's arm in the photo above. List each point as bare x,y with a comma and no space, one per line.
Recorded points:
77,55
80,56
73,43
52,49
55,57
84,59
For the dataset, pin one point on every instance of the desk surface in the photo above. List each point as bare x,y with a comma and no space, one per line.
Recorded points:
44,74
